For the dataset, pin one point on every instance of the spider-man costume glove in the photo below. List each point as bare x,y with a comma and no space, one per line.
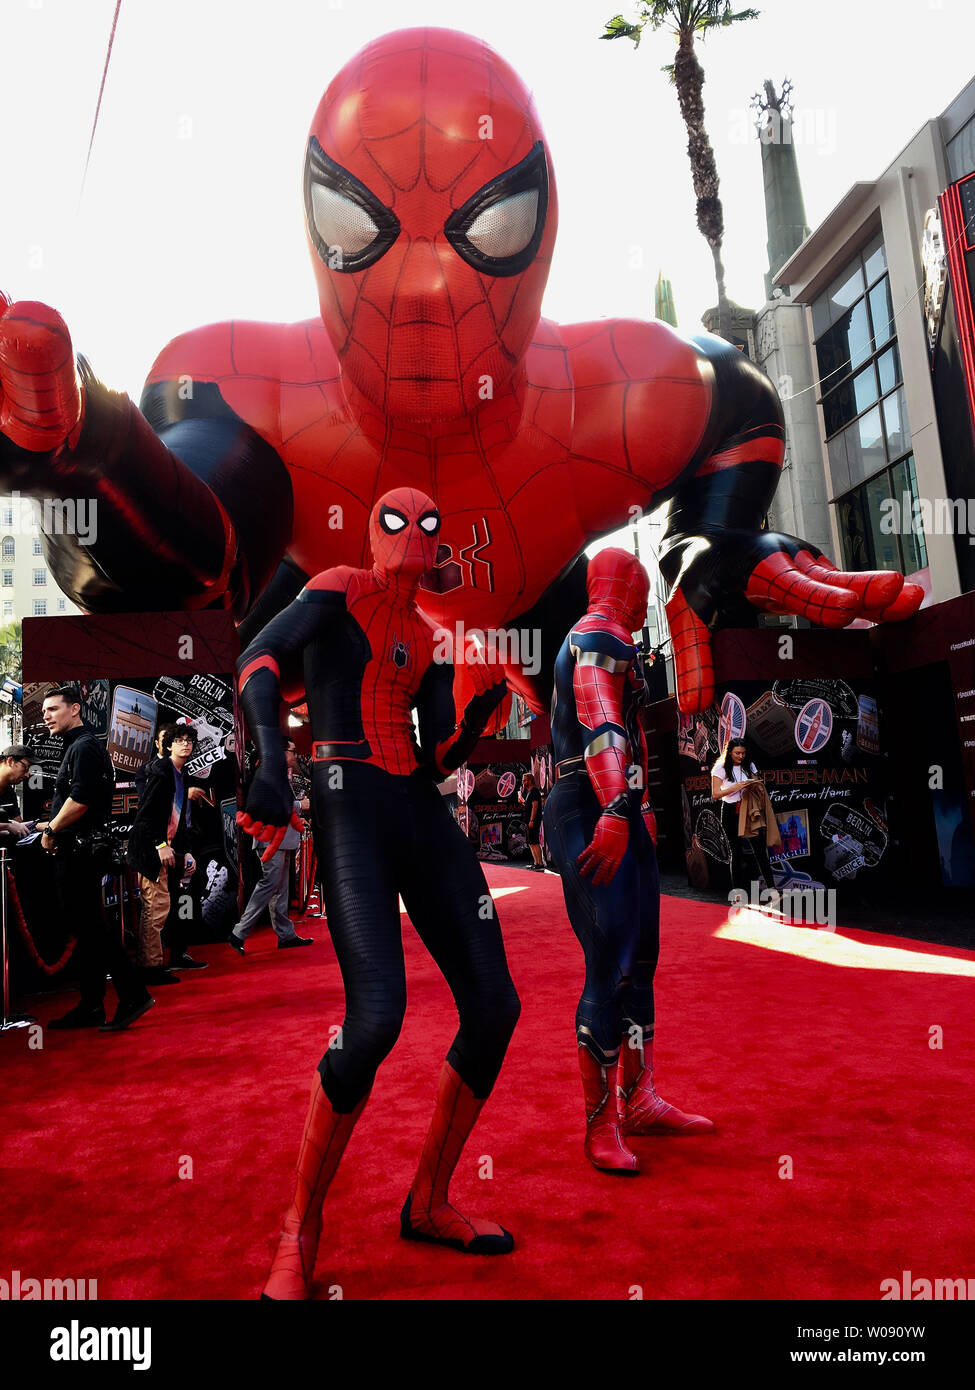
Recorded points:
270,801
457,748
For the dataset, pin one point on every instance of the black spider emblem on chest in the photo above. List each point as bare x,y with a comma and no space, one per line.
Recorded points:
399,652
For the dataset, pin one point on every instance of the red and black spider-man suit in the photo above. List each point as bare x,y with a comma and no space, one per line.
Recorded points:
597,828
431,217
366,655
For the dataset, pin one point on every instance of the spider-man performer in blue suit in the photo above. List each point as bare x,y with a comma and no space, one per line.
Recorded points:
598,826
356,642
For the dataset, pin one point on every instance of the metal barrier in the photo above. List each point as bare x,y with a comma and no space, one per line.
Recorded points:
9,1020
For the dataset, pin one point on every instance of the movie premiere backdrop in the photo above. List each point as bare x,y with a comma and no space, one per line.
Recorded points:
137,673
816,741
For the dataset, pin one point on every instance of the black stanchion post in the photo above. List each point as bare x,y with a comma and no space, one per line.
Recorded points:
9,1020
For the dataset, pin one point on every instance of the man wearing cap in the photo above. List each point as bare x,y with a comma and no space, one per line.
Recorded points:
14,767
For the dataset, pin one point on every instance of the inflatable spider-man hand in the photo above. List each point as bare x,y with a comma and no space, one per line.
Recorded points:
41,401
270,810
775,573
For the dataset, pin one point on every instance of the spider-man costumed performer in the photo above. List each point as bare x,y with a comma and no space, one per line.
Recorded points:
261,448
357,642
601,833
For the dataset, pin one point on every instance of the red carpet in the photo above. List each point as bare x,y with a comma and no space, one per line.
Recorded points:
827,1064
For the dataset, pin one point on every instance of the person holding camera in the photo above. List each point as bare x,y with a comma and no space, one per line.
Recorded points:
15,764
81,806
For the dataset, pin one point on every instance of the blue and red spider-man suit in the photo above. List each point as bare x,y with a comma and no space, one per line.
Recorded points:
367,656
598,826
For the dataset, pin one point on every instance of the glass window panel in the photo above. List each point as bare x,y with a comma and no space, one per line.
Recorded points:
858,335
865,446
822,318
846,289
865,389
885,547
8,547
882,312
889,367
839,408
839,464
876,259
896,424
853,532
904,480
844,347
849,400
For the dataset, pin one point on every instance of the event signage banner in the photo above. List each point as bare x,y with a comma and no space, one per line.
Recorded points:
816,744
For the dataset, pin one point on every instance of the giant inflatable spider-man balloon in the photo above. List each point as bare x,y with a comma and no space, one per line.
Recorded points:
260,449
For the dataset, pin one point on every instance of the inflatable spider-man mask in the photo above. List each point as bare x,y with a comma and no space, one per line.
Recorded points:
403,534
431,215
619,586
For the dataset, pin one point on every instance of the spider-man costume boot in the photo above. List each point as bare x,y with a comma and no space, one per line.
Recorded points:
426,1214
322,1145
644,1111
606,1149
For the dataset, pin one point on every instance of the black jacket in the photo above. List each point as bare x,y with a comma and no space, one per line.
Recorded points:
152,820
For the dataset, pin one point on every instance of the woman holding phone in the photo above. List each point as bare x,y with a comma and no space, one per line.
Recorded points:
731,775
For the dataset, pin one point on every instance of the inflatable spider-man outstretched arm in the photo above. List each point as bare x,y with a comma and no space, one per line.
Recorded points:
166,517
715,553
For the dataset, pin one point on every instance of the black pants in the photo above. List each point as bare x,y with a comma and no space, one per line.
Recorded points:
99,951
757,845
376,836
618,923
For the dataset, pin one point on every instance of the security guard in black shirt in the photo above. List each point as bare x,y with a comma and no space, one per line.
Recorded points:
82,804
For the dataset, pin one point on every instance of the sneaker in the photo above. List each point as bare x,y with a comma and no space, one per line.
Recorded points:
235,941
296,941
128,1013
185,962
80,1017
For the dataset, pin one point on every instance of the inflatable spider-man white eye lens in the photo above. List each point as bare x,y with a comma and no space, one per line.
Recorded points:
499,229
392,521
430,523
507,227
348,225
344,227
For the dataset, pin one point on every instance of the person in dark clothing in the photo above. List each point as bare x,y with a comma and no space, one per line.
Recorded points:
531,799
159,851
81,805
14,766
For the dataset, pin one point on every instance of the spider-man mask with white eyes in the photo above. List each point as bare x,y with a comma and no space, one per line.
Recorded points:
431,216
403,530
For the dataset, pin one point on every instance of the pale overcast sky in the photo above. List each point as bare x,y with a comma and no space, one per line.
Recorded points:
192,209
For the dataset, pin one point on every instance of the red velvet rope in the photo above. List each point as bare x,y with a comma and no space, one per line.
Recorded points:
28,940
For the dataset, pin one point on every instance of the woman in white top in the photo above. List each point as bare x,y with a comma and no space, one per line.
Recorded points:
731,774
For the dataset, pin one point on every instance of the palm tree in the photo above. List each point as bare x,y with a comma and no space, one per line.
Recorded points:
10,650
689,20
